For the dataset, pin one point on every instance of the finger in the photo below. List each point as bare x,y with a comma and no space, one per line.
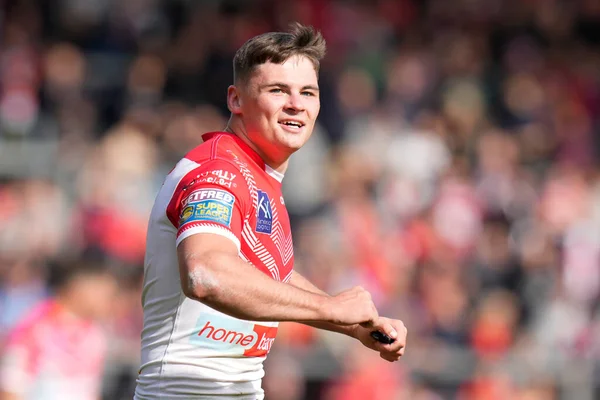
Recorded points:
399,343
403,336
391,327
392,344
397,354
386,348
396,347
401,331
393,347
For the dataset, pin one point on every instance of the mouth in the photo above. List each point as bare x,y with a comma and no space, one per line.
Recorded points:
292,125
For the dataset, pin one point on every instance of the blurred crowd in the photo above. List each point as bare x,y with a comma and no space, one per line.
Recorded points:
454,172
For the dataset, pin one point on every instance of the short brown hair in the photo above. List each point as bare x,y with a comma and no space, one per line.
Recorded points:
277,47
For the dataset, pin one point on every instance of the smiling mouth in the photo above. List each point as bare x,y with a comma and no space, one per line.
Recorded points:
292,124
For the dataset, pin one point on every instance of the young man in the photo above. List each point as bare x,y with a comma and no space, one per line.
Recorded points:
58,350
221,218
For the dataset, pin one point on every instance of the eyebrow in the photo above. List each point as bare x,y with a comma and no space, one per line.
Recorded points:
286,86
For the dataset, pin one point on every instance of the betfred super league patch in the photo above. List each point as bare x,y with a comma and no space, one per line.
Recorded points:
264,214
211,205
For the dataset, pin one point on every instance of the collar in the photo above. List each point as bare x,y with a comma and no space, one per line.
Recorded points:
278,176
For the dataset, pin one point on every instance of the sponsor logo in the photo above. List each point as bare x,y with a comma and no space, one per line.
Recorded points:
266,337
208,205
217,177
210,194
186,214
212,210
264,214
233,336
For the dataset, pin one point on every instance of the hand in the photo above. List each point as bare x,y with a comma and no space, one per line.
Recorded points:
394,328
352,306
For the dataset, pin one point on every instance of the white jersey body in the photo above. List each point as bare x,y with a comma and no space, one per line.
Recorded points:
189,350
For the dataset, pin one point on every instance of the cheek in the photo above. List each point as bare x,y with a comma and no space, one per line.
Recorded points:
270,107
314,109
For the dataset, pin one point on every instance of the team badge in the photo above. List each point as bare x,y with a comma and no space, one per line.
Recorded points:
264,214
186,214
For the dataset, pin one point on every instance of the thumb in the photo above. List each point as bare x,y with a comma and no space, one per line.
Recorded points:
372,321
387,328
367,325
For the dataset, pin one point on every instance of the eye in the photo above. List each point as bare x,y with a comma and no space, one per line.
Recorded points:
309,94
276,90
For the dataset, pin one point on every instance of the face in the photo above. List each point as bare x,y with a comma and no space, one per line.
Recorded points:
95,295
278,106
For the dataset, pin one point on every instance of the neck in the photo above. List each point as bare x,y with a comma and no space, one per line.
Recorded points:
236,127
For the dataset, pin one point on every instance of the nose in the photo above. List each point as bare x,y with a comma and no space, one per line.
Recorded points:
295,102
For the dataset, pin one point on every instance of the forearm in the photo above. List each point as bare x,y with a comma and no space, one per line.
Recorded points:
301,282
234,287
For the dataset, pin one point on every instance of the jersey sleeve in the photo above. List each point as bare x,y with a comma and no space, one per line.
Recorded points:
212,198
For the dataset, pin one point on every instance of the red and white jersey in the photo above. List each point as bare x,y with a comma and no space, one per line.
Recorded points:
53,354
189,350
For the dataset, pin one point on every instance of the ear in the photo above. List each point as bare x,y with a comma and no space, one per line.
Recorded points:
234,101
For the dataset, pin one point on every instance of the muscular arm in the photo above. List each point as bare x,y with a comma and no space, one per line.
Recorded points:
212,272
301,282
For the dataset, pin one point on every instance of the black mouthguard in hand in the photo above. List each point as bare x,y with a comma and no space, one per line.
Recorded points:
382,337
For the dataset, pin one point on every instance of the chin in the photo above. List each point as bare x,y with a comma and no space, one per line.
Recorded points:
294,145
294,141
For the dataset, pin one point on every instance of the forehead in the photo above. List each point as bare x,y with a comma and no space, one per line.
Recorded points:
297,70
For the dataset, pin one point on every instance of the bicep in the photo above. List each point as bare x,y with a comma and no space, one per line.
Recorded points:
195,256
208,213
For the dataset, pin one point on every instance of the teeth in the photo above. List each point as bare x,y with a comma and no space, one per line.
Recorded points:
289,123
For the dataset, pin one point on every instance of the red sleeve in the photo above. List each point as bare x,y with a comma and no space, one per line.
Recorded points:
212,198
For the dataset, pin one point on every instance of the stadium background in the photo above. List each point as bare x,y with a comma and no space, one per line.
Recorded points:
454,172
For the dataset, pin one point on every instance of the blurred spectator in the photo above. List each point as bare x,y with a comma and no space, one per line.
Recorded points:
365,377
286,381
116,187
23,287
57,351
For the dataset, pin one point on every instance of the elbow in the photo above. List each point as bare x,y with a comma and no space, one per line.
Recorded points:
190,292
200,284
